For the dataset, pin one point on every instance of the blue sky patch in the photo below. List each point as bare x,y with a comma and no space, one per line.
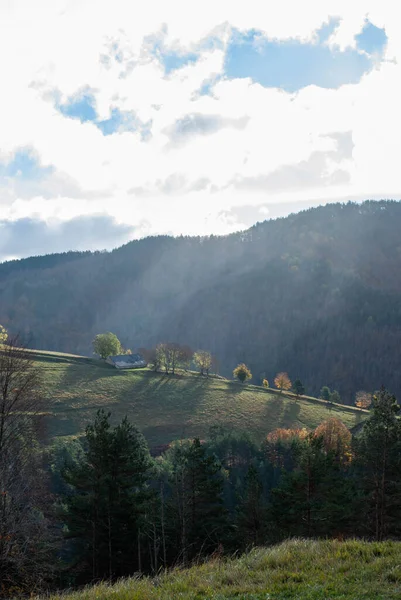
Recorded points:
25,165
292,65
118,121
172,60
372,39
81,106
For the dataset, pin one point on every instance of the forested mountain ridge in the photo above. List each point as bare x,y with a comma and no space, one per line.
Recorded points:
317,294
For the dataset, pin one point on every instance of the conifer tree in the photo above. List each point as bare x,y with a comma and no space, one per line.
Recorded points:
197,499
298,388
315,499
378,453
108,498
251,511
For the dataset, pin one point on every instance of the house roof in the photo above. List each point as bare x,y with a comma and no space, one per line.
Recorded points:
127,358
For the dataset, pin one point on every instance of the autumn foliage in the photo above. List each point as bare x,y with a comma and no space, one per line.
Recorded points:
363,399
282,382
280,439
336,438
242,372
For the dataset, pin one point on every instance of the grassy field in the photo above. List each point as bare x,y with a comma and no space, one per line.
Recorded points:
170,407
294,570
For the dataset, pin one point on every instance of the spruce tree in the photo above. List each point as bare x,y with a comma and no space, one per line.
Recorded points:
315,498
107,498
378,457
196,482
251,511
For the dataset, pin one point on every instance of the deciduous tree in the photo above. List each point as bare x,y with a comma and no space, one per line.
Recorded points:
363,400
242,372
282,382
107,344
3,334
336,437
26,541
203,361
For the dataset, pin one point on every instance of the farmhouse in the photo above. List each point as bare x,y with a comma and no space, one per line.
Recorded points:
127,361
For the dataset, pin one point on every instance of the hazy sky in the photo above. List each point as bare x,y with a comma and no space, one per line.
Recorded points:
123,119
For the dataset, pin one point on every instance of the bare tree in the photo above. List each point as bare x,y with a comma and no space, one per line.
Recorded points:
25,541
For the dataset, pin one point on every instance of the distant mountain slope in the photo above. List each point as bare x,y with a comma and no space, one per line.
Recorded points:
170,407
317,294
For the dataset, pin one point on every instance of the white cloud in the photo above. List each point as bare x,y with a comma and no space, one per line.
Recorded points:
67,45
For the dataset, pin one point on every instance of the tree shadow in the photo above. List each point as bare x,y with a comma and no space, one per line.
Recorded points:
291,412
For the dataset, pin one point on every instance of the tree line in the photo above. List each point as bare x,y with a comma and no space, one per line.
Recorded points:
168,357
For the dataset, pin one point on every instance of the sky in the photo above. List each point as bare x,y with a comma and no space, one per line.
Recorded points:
119,121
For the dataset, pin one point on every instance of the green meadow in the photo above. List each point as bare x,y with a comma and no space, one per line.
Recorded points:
167,407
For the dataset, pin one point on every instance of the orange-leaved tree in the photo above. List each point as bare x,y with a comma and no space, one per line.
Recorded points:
282,382
336,437
279,441
363,399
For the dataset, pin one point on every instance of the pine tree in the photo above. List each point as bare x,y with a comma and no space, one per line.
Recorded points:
197,505
108,498
298,388
378,454
251,511
315,499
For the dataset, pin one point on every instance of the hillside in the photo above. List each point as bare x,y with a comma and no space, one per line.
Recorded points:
316,294
170,407
297,569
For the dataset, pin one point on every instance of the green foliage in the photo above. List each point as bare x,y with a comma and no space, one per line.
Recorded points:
107,344
196,482
108,497
251,518
378,455
242,372
298,388
335,397
313,499
325,393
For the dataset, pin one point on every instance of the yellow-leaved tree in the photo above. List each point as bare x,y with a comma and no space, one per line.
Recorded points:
3,335
203,361
282,382
242,372
265,383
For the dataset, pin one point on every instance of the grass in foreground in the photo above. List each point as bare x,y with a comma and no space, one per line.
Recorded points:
169,407
298,569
